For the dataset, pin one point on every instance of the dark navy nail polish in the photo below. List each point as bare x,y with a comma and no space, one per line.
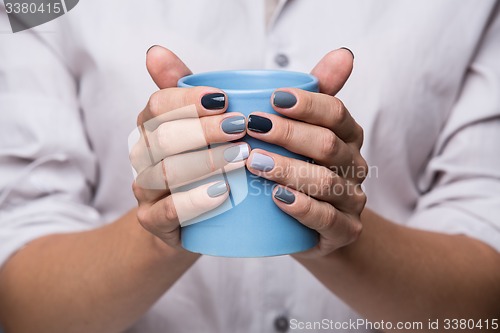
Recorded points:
345,48
259,124
215,101
284,195
283,99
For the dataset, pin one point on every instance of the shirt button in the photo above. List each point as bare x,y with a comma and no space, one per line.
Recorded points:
281,324
281,60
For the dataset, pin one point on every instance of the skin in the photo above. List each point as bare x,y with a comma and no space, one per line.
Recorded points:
103,280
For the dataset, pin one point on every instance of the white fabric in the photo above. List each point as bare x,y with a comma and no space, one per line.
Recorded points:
426,89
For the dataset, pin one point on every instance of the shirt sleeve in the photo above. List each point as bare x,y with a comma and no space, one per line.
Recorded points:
47,169
461,183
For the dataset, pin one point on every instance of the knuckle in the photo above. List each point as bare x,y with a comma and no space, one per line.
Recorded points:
363,202
308,103
137,190
327,182
210,164
341,113
154,104
327,220
363,168
288,131
305,209
209,129
143,217
285,171
329,144
138,157
360,199
169,211
357,229
161,139
133,155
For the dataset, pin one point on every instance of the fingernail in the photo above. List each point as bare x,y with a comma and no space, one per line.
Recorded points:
150,48
236,153
283,99
259,124
215,101
217,189
345,48
233,125
284,195
262,162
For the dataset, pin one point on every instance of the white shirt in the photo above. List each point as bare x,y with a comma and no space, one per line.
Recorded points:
425,87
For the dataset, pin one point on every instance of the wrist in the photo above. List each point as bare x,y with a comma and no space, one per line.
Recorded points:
359,254
156,253
166,252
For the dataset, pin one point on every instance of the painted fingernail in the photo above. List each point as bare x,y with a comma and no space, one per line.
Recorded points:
233,125
259,124
236,153
284,195
150,48
215,101
262,162
217,189
345,48
283,99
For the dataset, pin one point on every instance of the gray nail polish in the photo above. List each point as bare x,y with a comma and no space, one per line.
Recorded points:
284,195
283,99
233,125
236,153
217,189
262,162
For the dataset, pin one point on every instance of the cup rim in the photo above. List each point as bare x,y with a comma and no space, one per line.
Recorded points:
313,81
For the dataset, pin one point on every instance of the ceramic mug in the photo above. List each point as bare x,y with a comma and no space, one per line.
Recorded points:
249,224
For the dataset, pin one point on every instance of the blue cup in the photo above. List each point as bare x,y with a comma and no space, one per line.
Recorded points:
252,225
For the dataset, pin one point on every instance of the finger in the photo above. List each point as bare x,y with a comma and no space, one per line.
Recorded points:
318,143
182,169
147,196
193,203
335,227
333,70
318,109
164,217
179,103
165,67
314,180
174,137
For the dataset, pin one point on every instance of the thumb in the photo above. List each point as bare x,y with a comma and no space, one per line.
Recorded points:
165,67
333,70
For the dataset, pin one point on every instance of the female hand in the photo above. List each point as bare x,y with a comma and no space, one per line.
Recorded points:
174,122
327,195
